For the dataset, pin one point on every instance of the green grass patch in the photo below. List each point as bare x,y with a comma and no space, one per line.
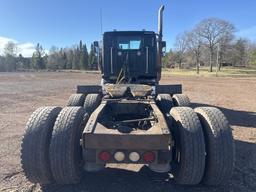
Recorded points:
224,72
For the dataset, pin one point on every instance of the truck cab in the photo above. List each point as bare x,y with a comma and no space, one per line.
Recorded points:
131,55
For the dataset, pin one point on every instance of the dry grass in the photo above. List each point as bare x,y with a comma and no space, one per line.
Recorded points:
224,72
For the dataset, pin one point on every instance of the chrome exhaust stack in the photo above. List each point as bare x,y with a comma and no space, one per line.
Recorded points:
160,43
160,22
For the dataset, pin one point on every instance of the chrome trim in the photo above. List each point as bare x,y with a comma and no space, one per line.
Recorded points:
146,59
111,60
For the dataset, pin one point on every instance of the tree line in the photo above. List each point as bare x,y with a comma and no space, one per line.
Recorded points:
212,43
76,57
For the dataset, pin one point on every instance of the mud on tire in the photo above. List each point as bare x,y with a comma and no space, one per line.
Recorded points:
76,100
219,146
189,157
35,145
181,100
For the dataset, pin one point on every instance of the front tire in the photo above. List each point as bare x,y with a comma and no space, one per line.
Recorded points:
189,155
219,146
35,145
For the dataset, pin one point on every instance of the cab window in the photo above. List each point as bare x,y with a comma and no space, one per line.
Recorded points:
129,42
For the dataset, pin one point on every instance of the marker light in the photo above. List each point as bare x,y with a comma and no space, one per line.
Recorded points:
104,156
148,157
119,156
134,156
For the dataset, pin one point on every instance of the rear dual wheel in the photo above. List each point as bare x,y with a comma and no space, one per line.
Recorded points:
219,146
35,145
92,101
181,100
189,150
76,100
165,102
50,149
89,102
204,147
65,150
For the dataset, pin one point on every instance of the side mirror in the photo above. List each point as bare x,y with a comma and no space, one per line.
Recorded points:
95,47
163,43
96,44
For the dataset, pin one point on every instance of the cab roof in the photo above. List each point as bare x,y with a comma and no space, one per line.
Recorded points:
129,33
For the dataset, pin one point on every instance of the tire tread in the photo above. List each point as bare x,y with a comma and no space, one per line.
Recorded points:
76,100
65,157
191,168
35,145
219,146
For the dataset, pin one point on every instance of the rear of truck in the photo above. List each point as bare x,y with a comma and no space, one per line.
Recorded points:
129,119
126,130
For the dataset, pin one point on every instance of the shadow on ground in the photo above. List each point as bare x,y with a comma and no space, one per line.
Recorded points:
118,180
244,176
235,117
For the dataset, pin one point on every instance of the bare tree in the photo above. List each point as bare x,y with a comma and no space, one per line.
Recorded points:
240,53
252,54
53,60
10,49
194,43
181,46
10,52
213,30
225,50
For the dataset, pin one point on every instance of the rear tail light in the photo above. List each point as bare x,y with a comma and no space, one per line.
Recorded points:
134,156
149,157
119,156
104,156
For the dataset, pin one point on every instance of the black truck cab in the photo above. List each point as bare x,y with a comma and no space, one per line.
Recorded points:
129,57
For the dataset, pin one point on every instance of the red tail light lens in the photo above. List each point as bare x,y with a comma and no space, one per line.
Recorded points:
149,157
104,156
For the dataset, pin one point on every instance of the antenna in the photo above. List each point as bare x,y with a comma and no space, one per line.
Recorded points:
101,21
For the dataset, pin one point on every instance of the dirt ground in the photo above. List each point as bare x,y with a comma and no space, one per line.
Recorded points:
22,93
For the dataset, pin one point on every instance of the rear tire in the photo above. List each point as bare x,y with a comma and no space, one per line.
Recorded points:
219,146
181,100
65,150
76,100
189,157
35,145
164,102
92,101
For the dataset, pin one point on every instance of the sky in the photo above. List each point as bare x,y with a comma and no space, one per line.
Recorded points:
63,23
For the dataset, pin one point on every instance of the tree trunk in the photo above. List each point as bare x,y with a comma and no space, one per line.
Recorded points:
211,55
210,69
197,65
180,64
218,59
